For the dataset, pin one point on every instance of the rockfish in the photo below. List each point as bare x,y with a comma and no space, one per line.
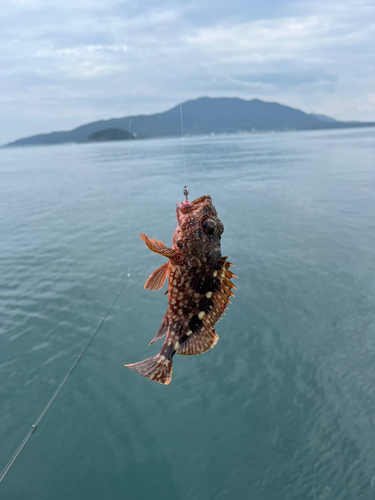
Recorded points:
199,287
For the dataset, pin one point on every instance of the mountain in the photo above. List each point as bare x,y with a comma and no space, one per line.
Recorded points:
200,116
324,118
111,134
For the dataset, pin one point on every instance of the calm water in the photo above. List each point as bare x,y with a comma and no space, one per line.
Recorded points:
282,408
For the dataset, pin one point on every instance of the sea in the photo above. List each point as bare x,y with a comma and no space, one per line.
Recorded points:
283,408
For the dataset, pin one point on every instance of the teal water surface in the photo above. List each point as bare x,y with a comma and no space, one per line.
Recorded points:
282,408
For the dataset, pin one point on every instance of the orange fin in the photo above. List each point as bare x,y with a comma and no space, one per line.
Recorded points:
199,342
159,247
162,331
157,368
157,278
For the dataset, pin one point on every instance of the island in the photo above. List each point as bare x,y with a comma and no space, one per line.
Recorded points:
111,134
205,115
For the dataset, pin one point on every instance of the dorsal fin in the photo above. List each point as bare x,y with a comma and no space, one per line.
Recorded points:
199,342
157,278
222,295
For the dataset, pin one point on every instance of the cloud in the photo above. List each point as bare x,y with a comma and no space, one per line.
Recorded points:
73,58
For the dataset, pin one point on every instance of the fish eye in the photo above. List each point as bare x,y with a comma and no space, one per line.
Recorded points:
208,225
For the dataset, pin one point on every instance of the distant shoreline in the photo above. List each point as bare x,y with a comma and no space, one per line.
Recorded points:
187,136
203,116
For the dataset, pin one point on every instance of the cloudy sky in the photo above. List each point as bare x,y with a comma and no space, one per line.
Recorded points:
66,63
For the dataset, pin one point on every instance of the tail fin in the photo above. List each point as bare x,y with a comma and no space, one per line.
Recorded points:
158,368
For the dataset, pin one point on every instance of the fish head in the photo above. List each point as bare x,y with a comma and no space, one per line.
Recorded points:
198,232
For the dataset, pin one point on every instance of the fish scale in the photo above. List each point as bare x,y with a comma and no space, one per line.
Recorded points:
199,287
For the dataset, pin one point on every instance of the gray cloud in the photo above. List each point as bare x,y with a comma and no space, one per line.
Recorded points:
63,65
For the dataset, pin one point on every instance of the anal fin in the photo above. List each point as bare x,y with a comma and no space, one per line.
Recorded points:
162,331
157,278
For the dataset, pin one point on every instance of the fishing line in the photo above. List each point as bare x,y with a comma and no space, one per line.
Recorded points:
80,356
183,142
48,405
130,126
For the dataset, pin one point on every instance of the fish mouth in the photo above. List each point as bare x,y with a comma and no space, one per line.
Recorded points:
188,207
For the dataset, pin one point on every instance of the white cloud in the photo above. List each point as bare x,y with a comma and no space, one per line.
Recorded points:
313,39
74,56
357,107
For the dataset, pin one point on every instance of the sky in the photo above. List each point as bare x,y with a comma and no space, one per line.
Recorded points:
67,63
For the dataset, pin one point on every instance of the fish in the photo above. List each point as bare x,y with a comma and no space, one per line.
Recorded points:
199,287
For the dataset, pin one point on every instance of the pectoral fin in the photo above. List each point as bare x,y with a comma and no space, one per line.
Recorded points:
159,247
157,278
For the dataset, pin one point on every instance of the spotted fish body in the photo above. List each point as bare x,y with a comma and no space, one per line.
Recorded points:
199,287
